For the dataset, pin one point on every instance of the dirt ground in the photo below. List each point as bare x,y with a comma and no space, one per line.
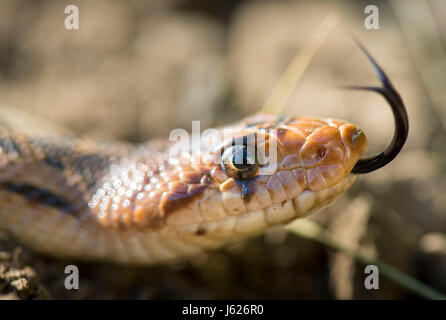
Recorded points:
137,69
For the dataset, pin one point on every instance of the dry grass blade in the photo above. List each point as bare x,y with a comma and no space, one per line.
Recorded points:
290,78
349,228
310,230
18,119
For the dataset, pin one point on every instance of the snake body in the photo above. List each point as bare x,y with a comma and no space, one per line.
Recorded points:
81,199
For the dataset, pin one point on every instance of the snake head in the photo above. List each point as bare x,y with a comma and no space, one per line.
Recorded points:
313,162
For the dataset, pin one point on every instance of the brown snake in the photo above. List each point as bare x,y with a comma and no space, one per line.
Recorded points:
75,198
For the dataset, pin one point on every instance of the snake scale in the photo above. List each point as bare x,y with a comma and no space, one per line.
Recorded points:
134,204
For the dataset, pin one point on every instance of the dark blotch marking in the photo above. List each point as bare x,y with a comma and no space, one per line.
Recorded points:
197,189
90,166
248,188
54,163
173,201
201,231
10,146
63,155
55,153
177,200
193,178
36,194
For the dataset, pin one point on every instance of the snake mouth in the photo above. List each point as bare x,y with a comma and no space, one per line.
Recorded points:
401,131
254,222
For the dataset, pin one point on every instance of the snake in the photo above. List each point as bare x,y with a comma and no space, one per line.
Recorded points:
77,198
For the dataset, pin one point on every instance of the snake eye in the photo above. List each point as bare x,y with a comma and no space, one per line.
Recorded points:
239,163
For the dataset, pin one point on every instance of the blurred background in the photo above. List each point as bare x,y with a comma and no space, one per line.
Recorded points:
137,69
